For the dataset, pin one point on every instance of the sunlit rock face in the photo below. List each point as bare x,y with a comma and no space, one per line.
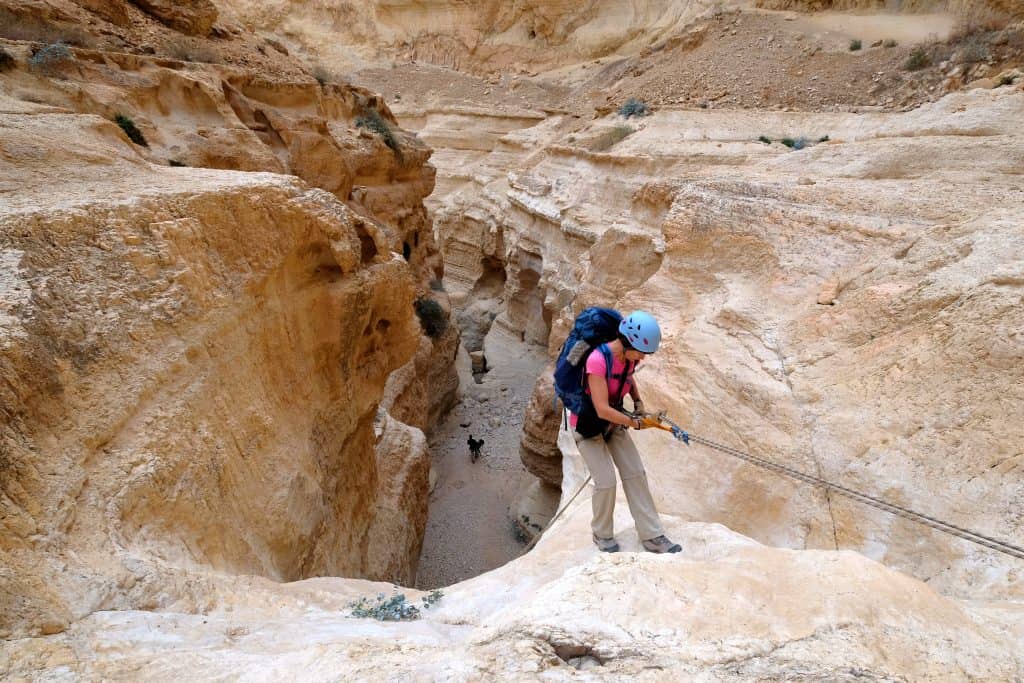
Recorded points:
849,309
725,608
215,386
193,362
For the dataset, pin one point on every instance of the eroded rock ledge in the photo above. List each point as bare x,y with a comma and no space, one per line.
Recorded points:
193,364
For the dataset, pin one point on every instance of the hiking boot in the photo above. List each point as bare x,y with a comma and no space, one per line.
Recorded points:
661,544
606,545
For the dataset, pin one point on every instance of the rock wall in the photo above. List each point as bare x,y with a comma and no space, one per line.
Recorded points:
847,309
472,36
195,359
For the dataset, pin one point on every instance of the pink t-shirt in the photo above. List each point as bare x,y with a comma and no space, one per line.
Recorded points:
596,366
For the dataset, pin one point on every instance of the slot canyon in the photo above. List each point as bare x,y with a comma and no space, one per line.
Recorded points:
267,269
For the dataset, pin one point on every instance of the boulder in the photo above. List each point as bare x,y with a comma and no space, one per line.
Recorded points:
192,17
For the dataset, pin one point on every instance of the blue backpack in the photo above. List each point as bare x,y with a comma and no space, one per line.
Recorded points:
592,329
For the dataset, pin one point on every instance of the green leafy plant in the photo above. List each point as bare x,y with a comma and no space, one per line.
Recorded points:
823,138
917,60
7,61
395,608
765,139
374,122
855,45
634,107
50,58
432,317
131,130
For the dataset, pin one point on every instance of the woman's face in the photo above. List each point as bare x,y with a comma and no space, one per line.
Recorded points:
634,355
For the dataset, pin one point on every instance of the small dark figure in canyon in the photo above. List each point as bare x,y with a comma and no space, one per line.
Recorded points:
474,447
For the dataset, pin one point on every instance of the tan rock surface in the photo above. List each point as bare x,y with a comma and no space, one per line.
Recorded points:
193,362
214,380
726,608
905,388
192,17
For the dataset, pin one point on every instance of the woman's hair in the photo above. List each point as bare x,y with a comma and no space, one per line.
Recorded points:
625,343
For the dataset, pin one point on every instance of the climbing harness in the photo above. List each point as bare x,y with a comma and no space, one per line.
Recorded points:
660,421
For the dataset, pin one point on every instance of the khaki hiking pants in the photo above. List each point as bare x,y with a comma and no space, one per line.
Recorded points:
600,456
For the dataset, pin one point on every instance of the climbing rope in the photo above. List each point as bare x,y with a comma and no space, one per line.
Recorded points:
558,514
659,421
946,527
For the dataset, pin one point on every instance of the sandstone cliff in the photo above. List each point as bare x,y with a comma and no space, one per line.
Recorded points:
214,385
194,359
848,309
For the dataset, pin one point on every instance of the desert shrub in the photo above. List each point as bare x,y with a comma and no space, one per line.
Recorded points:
794,143
917,60
176,163
765,139
322,75
634,107
7,61
432,317
131,130
855,45
374,122
823,138
610,138
1007,79
972,51
50,58
395,608
889,43
979,19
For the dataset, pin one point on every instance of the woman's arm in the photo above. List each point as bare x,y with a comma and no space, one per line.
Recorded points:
599,396
634,393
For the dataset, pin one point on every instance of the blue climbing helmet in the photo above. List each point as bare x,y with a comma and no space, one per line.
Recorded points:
642,331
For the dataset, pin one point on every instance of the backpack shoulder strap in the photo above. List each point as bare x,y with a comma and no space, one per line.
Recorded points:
607,353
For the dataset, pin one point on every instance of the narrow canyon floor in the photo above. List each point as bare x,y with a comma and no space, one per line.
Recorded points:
469,522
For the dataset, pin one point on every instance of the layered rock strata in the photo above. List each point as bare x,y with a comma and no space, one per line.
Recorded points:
849,309
194,359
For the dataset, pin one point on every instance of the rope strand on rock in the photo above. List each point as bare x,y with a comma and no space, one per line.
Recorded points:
662,422
878,503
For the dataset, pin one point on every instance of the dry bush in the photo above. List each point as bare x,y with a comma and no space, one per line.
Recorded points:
978,20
